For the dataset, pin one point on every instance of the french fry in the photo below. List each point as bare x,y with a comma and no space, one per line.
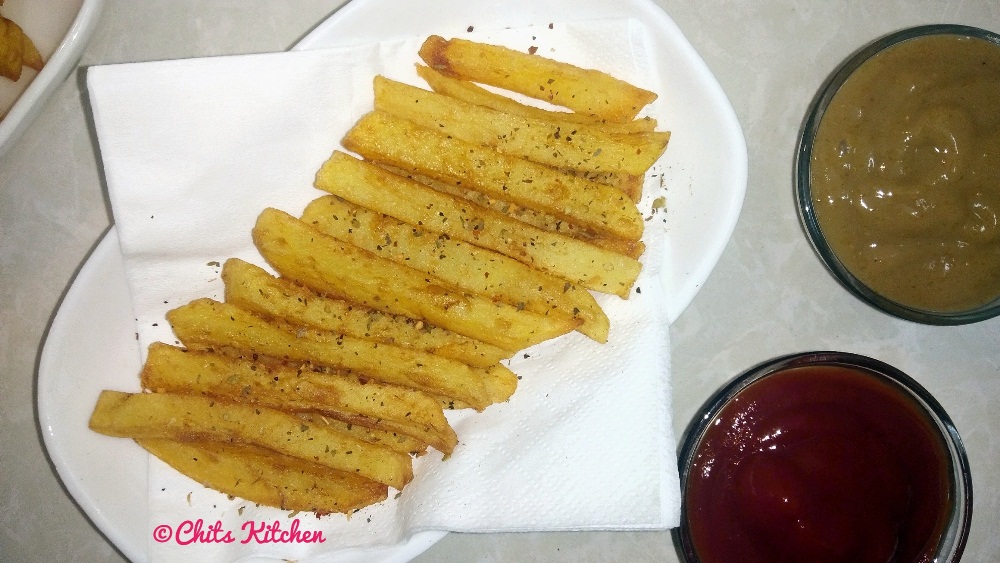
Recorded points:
385,138
395,441
193,418
329,266
500,383
17,50
628,248
204,323
251,288
470,92
533,217
466,91
298,388
264,477
585,91
630,184
370,186
31,57
558,144
11,49
475,269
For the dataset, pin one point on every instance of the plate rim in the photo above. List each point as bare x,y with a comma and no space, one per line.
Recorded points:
96,265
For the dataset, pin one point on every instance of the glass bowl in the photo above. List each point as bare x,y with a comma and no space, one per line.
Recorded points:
779,411
803,182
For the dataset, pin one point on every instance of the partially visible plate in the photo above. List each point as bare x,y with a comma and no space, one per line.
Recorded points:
92,341
60,29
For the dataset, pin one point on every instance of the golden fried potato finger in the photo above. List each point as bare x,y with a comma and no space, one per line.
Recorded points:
629,248
329,266
204,323
264,477
395,441
630,184
533,217
12,45
500,383
558,144
299,388
368,185
251,288
31,58
193,418
475,94
582,90
385,138
464,265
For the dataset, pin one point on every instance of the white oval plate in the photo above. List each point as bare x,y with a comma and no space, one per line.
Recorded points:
60,29
92,343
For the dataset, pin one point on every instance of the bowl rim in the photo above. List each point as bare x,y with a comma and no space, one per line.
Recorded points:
803,185
959,522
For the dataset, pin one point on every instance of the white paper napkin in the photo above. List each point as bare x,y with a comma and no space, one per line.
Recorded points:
194,149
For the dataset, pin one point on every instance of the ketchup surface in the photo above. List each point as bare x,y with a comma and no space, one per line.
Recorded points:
819,463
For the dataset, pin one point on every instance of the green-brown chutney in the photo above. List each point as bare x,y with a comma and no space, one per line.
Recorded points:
906,173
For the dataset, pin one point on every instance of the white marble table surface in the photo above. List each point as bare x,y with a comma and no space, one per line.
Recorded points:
768,296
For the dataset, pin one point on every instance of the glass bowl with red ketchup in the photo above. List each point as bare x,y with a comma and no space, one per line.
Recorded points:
823,456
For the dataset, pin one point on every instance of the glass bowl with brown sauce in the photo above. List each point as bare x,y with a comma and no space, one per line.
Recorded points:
897,174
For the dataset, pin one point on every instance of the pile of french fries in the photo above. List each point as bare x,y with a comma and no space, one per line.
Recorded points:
465,227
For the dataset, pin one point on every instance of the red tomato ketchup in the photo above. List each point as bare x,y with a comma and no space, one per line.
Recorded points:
819,463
